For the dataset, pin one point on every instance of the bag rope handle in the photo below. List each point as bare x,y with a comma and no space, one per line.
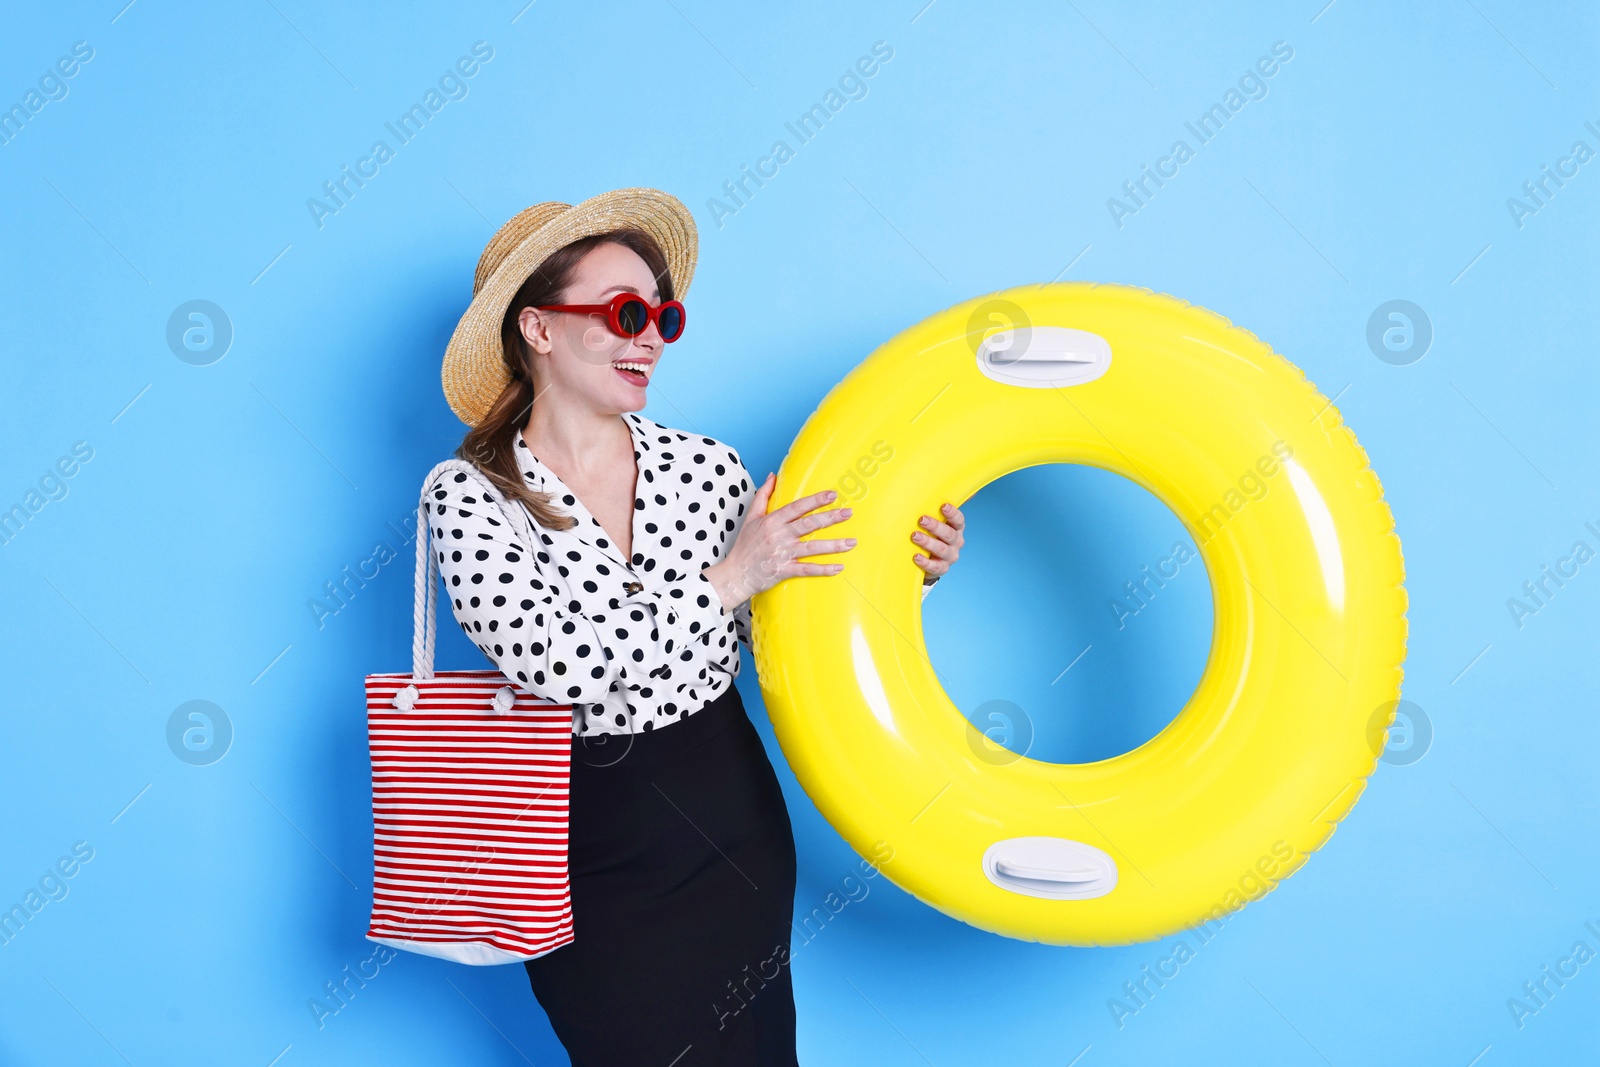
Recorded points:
424,623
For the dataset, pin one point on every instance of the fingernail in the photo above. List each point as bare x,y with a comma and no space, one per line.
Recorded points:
851,541
846,511
832,494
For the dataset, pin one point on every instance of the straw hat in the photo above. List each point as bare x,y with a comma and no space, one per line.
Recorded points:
474,372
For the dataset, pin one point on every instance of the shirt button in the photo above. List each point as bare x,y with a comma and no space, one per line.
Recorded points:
633,587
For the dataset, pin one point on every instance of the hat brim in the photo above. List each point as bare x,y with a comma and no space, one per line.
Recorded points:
474,372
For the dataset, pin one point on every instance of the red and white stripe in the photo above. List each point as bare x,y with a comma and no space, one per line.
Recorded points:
469,812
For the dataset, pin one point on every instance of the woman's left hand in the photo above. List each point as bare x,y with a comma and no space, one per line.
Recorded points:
941,541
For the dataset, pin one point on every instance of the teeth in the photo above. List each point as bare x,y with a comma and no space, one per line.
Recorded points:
628,365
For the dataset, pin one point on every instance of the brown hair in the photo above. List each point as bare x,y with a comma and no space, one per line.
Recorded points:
484,446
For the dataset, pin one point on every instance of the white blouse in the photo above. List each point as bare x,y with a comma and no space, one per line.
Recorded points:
634,644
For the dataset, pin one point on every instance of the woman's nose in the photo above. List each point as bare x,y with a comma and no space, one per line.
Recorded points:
649,338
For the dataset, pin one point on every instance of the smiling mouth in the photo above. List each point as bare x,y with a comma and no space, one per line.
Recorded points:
635,371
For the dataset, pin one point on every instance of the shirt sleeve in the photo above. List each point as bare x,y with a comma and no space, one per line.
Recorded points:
741,488
741,624
510,604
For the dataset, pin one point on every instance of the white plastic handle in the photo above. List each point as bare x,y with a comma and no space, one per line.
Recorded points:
1046,874
1054,868
1044,356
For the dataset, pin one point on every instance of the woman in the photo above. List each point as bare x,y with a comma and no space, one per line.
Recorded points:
653,541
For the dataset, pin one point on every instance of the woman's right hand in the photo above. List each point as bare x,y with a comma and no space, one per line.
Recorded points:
766,550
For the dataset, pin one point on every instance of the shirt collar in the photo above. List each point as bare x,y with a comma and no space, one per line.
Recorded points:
655,461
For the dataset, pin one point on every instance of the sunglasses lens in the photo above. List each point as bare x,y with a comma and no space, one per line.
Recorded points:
670,323
633,316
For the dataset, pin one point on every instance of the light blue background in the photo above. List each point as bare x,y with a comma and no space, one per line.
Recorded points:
220,498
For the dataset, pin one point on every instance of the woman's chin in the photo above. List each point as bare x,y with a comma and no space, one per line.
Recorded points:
629,397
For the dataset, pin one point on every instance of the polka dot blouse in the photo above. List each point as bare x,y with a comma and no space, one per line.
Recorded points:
634,644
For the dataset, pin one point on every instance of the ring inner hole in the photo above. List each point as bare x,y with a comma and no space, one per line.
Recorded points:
1036,634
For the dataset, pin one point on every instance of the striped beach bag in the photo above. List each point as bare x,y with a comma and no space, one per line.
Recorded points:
469,796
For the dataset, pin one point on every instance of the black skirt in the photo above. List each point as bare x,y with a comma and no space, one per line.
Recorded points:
683,874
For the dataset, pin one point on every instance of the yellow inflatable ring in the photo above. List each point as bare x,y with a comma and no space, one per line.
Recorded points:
1309,633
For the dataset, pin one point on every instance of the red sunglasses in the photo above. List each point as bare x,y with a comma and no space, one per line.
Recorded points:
628,315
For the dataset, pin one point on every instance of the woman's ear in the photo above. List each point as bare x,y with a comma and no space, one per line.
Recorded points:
535,330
